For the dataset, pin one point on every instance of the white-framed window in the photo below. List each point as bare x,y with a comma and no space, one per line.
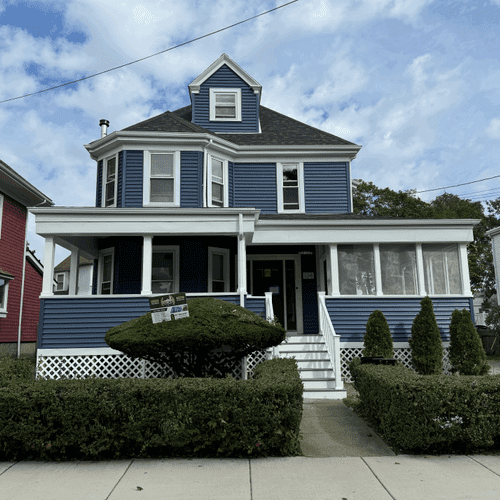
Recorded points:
4,291
356,269
162,170
442,269
217,187
165,269
290,181
1,213
109,181
106,271
61,282
225,105
218,270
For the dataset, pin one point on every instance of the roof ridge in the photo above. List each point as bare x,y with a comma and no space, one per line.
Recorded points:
182,121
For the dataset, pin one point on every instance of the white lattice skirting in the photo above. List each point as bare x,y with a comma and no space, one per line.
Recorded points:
116,365
403,354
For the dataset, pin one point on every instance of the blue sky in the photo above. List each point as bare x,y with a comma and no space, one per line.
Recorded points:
415,82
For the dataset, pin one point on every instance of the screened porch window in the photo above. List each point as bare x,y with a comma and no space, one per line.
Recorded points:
356,269
442,269
398,264
165,270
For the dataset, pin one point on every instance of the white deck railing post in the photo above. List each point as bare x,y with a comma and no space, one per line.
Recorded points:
274,351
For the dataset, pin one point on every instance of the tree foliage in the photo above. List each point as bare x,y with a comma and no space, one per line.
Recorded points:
187,345
377,338
368,199
425,341
467,355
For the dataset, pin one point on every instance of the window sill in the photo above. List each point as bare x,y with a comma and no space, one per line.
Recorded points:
3,313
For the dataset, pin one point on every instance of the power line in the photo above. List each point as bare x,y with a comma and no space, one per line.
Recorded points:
152,55
456,185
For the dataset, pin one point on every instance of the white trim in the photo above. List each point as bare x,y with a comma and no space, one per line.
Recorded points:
237,104
378,269
1,214
102,254
225,183
84,351
300,182
396,345
48,266
74,271
64,282
4,302
104,180
464,269
176,178
174,249
225,267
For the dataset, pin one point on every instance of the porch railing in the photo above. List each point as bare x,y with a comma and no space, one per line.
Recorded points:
272,352
332,340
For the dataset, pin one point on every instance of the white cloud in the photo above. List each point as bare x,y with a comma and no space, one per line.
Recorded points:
493,128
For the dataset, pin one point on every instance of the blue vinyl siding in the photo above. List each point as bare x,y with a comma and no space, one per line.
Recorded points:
191,179
255,186
256,305
133,183
349,316
326,187
230,180
98,192
83,323
120,174
225,77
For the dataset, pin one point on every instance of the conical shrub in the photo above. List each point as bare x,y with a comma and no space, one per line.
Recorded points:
377,338
467,355
425,341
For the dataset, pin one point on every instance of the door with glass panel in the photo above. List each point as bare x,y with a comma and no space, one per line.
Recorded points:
164,274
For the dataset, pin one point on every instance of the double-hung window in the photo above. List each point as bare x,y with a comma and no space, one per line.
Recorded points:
61,282
218,270
4,288
105,271
165,269
290,187
217,192
162,172
225,104
109,182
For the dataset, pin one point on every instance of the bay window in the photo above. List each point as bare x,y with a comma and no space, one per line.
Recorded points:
217,188
109,182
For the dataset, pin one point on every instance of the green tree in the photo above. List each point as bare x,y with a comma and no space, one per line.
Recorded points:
425,341
189,345
467,355
377,338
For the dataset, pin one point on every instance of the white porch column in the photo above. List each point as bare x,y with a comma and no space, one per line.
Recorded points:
242,268
48,267
147,265
378,269
73,271
464,269
333,265
420,270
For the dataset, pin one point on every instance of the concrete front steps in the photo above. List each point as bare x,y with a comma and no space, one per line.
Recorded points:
315,368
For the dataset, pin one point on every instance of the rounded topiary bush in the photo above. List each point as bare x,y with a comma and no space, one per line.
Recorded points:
377,338
425,341
187,345
467,355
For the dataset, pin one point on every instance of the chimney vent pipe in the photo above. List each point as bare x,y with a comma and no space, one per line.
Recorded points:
104,124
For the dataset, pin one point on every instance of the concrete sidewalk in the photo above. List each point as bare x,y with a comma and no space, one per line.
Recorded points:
402,477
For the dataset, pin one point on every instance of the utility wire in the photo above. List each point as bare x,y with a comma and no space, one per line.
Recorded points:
455,185
152,55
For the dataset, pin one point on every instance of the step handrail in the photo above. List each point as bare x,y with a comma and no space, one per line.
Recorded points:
272,352
332,340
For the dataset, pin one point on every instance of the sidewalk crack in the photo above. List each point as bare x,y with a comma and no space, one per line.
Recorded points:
118,482
472,458
383,485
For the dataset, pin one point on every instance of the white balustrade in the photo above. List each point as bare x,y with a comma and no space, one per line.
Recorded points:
273,352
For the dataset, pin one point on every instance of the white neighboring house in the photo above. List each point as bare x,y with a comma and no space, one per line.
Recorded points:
494,234
62,274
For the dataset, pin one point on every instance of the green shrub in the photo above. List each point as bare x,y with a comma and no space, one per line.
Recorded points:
15,370
467,355
188,345
425,341
377,339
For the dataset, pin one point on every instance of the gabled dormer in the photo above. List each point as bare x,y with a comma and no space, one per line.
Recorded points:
225,99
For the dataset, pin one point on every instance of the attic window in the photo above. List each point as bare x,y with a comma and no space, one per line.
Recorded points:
225,104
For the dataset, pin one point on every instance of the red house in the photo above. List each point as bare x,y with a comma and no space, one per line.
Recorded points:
21,273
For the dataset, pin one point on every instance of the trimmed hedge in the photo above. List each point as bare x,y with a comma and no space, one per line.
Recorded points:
429,413
99,419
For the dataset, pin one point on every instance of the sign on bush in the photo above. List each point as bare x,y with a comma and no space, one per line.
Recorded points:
168,307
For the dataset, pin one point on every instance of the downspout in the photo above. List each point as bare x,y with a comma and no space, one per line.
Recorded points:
22,290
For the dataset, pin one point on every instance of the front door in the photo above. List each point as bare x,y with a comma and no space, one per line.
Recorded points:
281,276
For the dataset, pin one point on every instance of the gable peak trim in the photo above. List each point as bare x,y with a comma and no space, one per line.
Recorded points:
194,86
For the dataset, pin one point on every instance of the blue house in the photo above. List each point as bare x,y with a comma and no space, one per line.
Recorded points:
228,198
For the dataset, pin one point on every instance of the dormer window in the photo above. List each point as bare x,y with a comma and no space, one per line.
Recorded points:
225,105
110,184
